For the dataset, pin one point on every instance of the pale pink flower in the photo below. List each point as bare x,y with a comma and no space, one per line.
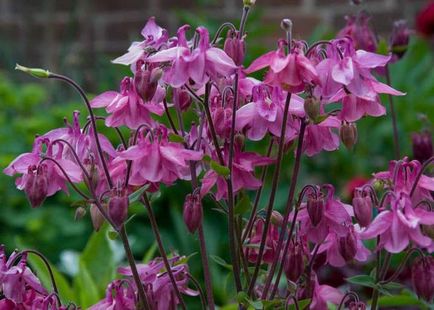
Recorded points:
318,137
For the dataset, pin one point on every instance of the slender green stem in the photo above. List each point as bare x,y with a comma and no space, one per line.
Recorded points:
288,209
145,201
394,120
269,209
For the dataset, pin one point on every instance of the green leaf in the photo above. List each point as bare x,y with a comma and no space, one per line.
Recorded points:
65,290
402,300
173,137
221,170
382,47
206,158
137,194
220,261
85,287
112,235
150,252
243,205
363,280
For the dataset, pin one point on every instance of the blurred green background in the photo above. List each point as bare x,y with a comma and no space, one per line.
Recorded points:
29,107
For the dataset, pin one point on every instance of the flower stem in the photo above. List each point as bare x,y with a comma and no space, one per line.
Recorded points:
269,210
288,208
145,201
394,120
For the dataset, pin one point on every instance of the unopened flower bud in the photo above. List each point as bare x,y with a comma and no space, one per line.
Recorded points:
235,48
118,208
96,216
80,212
362,209
286,25
276,218
312,107
183,98
36,186
294,262
36,72
192,212
146,82
348,135
249,2
357,305
422,146
348,246
315,209
223,121
422,275
399,38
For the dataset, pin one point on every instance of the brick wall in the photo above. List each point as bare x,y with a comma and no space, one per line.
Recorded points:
67,33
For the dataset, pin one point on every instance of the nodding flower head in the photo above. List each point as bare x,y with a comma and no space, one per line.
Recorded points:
315,209
192,212
422,274
362,205
118,207
36,185
235,47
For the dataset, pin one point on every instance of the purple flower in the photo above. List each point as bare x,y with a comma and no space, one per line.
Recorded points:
155,37
127,107
199,64
357,28
120,295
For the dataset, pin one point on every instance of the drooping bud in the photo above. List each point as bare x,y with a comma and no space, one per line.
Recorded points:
36,186
315,209
192,212
286,25
96,216
422,275
118,207
312,107
235,47
80,212
294,262
348,135
36,72
182,98
146,82
362,208
422,146
399,38
348,246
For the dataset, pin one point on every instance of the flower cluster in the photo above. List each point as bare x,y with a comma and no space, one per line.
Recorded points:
232,110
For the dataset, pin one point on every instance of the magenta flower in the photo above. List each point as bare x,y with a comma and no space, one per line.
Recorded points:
340,249
155,159
400,225
127,107
252,248
199,64
119,296
318,137
291,72
265,114
358,29
27,163
155,37
243,177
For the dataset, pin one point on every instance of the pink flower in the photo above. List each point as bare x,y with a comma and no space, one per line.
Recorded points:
26,163
127,107
357,28
400,225
243,177
252,248
265,114
155,37
335,218
291,72
118,297
155,159
199,64
318,137
340,249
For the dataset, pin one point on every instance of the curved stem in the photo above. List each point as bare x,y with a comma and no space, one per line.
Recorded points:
246,10
172,124
346,296
145,201
394,120
92,118
269,209
201,294
221,28
75,156
402,264
288,208
120,135
66,176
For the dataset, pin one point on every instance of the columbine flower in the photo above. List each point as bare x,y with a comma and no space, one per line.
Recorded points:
119,295
291,72
155,37
26,164
252,248
320,294
318,137
265,114
400,225
243,177
127,107
198,64
357,28
155,159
